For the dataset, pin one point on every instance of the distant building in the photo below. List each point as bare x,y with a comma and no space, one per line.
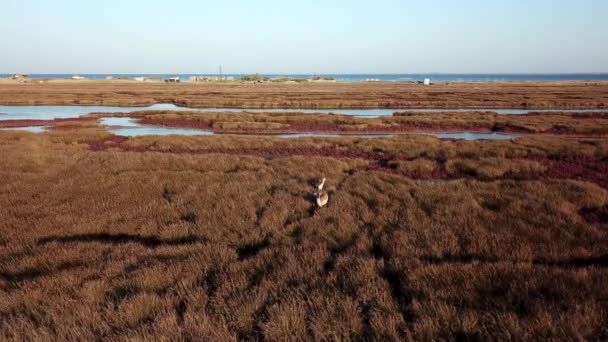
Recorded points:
203,78
173,80
210,78
319,78
140,79
20,76
427,81
78,77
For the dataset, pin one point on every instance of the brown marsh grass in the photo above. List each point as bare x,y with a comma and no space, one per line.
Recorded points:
593,95
594,124
217,238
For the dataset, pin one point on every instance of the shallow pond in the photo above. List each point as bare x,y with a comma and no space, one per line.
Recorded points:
475,136
65,112
149,130
55,112
129,128
332,135
33,129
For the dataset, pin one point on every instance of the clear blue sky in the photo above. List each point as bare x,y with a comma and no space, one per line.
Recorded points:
295,36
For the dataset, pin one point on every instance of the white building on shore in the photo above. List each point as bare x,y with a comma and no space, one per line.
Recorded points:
210,78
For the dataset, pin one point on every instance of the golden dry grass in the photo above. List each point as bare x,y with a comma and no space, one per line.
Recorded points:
590,124
312,95
217,238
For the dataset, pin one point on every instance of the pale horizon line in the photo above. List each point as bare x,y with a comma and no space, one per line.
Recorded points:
315,73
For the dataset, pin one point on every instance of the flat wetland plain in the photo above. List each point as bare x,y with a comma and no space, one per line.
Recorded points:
218,237
537,95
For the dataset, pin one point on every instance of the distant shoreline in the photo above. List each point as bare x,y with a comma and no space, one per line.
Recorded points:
310,95
417,77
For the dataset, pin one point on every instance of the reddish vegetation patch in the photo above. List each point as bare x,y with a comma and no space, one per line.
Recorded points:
401,127
378,160
507,128
588,169
560,129
24,123
580,168
555,130
302,127
176,123
30,123
595,215
102,145
98,115
356,128
333,152
593,115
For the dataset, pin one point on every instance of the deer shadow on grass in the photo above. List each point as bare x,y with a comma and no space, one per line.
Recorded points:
595,215
168,195
573,262
247,251
189,217
32,273
120,239
180,310
576,262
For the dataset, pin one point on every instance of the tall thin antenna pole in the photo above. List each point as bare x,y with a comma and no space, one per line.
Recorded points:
221,76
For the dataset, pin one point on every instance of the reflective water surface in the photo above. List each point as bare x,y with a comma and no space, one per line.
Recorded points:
129,128
475,136
63,112
332,135
151,130
55,112
33,129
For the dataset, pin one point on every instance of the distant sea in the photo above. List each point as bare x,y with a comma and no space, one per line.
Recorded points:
437,77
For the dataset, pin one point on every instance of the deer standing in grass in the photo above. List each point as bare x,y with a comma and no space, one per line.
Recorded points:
321,184
322,196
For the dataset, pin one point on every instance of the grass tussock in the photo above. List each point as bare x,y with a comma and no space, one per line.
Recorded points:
490,168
